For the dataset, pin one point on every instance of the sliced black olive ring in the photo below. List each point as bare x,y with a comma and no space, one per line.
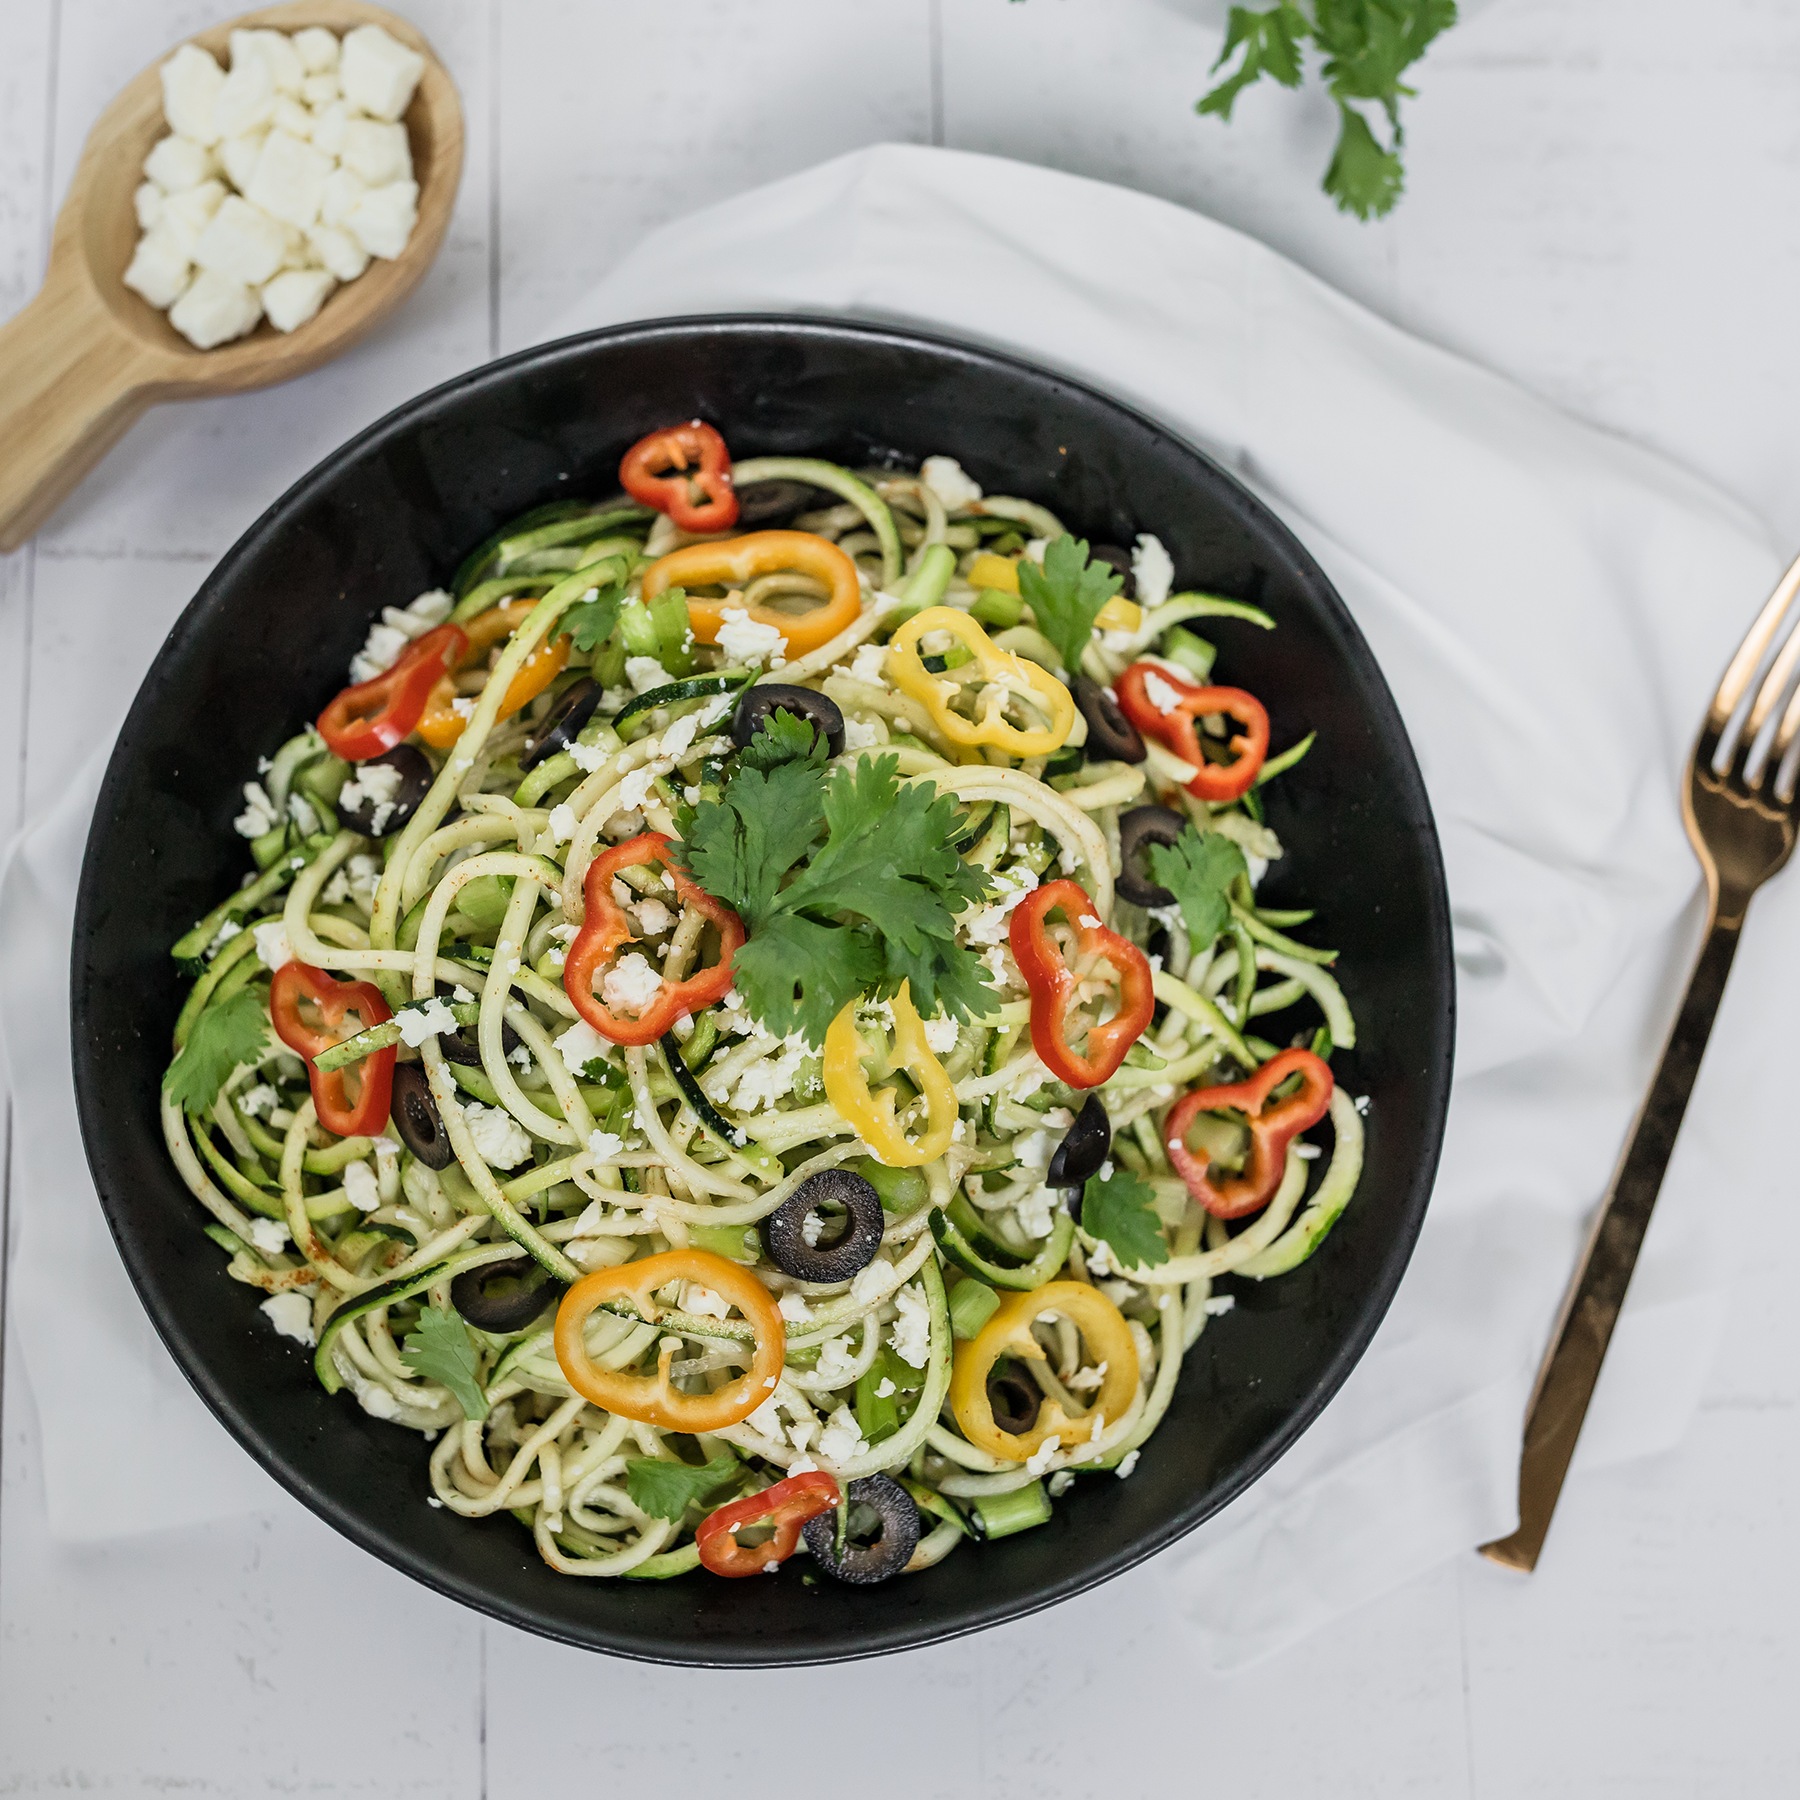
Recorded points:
464,1050
892,1550
564,723
763,503
503,1297
416,1118
416,776
774,696
1138,829
1084,1149
784,1230
1015,1401
1111,736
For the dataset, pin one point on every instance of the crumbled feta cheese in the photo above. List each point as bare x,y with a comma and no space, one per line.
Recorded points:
1220,1304
747,640
269,1236
956,490
802,1465
519,1056
580,1046
1096,1428
562,823
630,984
1101,1261
869,664
636,786
793,1309
702,1300
1039,1461
812,1228
272,944
1361,1103
417,1023
1037,1212
652,916
361,1188
1152,571
860,734
374,787
259,815
291,1315
1307,1152
1089,922
885,1388
645,673
462,996
767,1419
1085,1381
873,1282
301,812
603,1146
802,1432
500,1140
258,1101
1160,694
940,1036
842,1437
1126,1464
990,924
767,1081
395,629
837,1362
376,1401
463,706
910,1333
1060,1483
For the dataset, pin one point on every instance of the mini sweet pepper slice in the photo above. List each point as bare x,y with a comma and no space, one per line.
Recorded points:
1272,1127
298,982
441,724
684,471
786,1506
1165,707
847,1087
741,561
1003,678
370,718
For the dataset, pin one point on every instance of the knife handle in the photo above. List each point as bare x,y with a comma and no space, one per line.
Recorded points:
1584,1328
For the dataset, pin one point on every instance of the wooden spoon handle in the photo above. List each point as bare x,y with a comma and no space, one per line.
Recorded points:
71,383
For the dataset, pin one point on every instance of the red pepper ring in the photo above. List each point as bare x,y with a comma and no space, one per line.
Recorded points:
605,927
1174,729
367,1116
787,1506
1053,985
372,717
644,475
1271,1130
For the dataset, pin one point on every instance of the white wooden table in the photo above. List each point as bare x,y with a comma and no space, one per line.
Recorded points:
1604,205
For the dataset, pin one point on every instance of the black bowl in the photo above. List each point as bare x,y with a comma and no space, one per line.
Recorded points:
265,644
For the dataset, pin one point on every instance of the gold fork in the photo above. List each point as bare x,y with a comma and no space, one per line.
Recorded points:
1742,835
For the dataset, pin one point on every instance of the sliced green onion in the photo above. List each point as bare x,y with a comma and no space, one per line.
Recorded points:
1000,1515
972,1304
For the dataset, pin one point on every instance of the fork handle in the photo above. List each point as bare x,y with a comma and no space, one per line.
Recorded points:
1584,1328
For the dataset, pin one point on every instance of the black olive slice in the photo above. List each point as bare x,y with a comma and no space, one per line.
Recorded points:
1014,1401
1111,736
764,503
1157,947
1116,558
416,1118
784,1230
564,723
1138,829
382,817
505,1296
774,696
863,1564
1084,1149
464,1050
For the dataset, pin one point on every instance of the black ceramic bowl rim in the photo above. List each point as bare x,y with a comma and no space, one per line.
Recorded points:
112,1055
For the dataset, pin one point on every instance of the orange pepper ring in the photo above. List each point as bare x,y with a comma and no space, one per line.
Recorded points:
654,1399
741,561
442,725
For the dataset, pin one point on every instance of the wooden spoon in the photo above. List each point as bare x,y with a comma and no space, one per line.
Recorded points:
88,355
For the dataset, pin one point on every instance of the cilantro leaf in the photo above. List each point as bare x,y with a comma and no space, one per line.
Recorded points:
1199,871
1363,178
1117,1209
783,737
740,845
1066,595
797,969
235,1031
1271,43
666,1489
441,1350
592,622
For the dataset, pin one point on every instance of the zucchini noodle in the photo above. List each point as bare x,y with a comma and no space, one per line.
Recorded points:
560,1151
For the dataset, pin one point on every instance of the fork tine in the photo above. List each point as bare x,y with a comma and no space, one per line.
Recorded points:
1751,651
1773,690
1785,734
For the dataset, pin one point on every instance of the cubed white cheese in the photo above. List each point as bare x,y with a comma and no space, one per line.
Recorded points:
318,91
378,72
276,49
338,251
191,81
292,117
240,156
378,153
344,191
177,163
147,203
272,949
330,122
159,268
945,476
317,49
247,98
1152,571
290,178
214,310
291,1315
242,243
500,1140
383,219
186,215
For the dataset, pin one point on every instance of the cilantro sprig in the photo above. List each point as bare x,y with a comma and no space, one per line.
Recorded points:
235,1031
1199,870
1066,595
1367,46
665,1490
441,1350
1119,1210
870,907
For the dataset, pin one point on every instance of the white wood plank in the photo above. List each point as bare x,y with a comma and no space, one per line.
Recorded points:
619,118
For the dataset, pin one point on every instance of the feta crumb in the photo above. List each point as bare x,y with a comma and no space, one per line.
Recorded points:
645,673
842,1437
580,1046
417,1023
291,1315
747,640
1160,694
940,1035
463,706
860,734
1089,922
837,1362
630,984
1037,1212
272,944
1220,1304
812,1228
793,1309
1127,1464
873,1282
259,815
802,1465
702,1300
956,490
1085,1381
652,916
1060,1483
771,1567
361,1188
269,1236
1039,1461
885,1387
500,1140
767,1420
869,665
562,823
1152,570
910,1333
1361,1103
1307,1152
259,1101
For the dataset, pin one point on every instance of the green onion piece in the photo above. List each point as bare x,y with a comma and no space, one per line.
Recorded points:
902,1191
877,1416
1000,1515
997,609
1193,653
972,1304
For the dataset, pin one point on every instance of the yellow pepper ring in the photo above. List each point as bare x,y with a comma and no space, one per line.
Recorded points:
739,561
872,1115
1004,672
654,1399
442,724
1008,1333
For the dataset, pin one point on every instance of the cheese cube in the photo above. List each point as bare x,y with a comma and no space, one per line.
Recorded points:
243,244
239,155
343,191
277,50
214,310
159,269
177,162
147,202
382,220
191,82
185,216
292,298
337,251
330,122
378,72
247,99
378,153
292,117
290,179
317,49
320,90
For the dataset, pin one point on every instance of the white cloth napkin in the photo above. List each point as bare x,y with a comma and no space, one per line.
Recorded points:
1552,608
